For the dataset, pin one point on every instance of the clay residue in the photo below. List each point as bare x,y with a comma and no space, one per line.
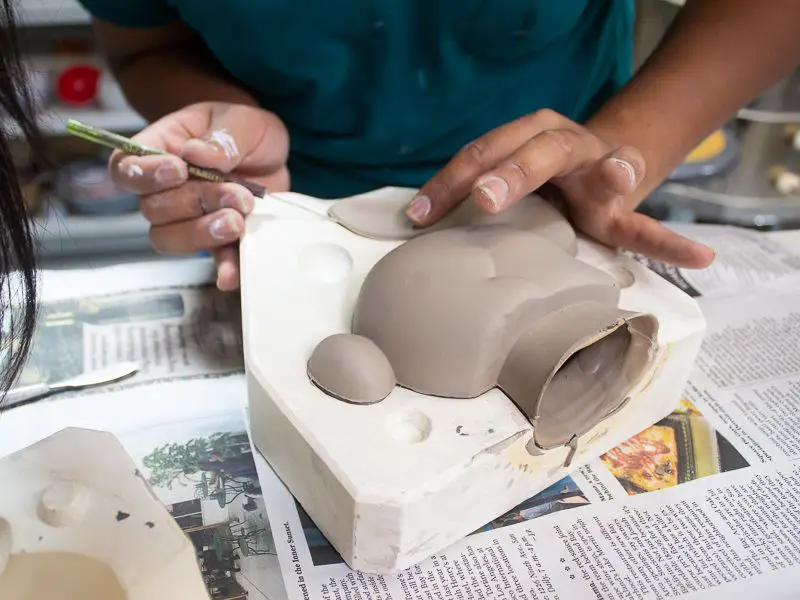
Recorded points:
225,142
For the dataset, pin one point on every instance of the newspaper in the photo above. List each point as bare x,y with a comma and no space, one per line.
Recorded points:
702,504
175,331
745,260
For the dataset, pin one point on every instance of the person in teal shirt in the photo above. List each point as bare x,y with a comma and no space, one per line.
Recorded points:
460,98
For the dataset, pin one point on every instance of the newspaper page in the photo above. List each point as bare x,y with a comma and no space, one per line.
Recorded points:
176,327
748,375
745,260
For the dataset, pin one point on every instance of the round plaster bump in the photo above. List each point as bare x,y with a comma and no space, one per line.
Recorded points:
6,544
64,503
623,276
325,262
351,368
410,427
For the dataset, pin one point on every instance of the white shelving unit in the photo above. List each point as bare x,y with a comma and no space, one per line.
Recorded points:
62,235
67,238
37,13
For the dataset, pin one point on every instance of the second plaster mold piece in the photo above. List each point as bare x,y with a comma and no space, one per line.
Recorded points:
485,301
61,537
332,313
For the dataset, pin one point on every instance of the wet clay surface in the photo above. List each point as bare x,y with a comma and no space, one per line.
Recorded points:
487,301
386,220
351,368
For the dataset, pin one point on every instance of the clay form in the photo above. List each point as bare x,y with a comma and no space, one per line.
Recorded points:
391,483
351,368
489,301
375,216
62,531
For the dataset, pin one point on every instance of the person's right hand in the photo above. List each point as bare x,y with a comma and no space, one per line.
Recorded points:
191,215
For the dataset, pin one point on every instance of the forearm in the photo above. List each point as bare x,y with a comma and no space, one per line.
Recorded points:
166,77
717,56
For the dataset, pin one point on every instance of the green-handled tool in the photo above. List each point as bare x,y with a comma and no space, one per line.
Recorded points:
128,146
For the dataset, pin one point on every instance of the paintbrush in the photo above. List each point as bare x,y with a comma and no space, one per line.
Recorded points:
128,146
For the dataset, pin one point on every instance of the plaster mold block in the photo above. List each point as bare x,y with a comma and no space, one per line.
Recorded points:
77,522
410,385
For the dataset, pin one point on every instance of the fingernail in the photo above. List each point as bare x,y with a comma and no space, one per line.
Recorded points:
168,173
419,208
495,190
243,204
224,228
628,167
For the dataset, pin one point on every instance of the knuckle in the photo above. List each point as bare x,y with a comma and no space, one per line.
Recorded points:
562,139
439,187
521,169
475,152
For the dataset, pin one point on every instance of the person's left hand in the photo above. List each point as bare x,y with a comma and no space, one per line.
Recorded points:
591,175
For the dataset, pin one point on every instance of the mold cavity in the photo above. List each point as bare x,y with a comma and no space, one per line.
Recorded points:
325,263
410,427
63,503
624,277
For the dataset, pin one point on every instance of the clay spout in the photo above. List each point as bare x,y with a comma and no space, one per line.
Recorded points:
575,367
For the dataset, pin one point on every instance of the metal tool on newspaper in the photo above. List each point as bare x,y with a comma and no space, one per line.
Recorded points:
106,375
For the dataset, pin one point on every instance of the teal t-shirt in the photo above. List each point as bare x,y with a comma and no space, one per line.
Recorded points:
384,92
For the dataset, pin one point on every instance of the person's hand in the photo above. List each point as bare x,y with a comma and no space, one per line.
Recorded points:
589,175
191,215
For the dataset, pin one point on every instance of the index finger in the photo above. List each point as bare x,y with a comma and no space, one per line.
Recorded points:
147,174
452,184
153,174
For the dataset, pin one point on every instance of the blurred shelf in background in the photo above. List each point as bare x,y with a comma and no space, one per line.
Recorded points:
63,235
54,121
49,13
760,187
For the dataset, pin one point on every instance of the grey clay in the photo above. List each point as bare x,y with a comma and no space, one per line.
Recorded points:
489,301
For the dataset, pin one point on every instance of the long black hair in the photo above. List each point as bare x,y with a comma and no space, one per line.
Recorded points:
18,275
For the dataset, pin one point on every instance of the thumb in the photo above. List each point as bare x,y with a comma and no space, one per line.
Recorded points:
239,137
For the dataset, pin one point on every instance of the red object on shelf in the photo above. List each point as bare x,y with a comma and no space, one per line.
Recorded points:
77,85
